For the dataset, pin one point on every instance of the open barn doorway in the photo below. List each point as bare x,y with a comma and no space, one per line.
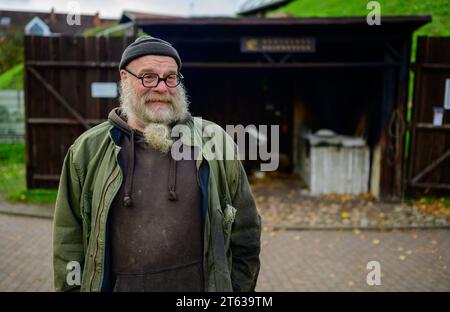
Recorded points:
242,97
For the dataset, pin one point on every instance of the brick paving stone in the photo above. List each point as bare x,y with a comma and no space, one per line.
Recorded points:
290,260
25,252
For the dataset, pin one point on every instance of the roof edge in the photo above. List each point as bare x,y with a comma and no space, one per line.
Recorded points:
351,20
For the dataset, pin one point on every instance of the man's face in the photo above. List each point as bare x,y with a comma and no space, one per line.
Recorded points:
160,104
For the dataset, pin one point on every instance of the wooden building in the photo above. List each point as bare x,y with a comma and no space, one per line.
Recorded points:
334,73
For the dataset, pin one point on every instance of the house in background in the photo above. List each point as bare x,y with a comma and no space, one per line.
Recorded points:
48,23
37,27
130,16
130,19
126,25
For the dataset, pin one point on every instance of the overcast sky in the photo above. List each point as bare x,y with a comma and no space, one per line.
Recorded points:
114,8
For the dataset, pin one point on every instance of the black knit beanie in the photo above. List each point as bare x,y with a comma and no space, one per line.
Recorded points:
148,45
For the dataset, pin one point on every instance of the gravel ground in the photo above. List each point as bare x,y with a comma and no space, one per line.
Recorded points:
284,201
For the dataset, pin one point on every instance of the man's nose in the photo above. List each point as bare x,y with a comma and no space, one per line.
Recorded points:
161,87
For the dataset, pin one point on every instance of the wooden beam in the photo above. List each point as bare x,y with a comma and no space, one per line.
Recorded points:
432,185
440,66
62,121
430,167
58,96
46,177
394,53
430,126
403,21
402,105
75,64
291,65
115,65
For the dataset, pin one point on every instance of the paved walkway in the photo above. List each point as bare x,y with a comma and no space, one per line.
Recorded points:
416,260
25,253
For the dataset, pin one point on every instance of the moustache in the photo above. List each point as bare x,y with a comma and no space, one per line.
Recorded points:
157,98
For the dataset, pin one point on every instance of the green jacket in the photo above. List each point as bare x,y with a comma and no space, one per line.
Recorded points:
90,179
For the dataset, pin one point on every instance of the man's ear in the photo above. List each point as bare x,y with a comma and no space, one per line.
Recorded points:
123,74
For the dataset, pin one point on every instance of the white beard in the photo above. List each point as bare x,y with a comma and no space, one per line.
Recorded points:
154,121
157,135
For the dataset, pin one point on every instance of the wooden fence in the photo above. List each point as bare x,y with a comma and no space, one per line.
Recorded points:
59,105
429,155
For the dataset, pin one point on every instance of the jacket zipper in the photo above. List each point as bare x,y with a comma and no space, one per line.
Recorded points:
108,183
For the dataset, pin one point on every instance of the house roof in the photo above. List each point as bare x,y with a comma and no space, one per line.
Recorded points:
131,16
253,7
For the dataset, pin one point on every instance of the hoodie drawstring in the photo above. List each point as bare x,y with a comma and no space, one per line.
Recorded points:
172,179
127,200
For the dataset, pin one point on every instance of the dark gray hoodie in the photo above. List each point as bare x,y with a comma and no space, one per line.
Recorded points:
156,242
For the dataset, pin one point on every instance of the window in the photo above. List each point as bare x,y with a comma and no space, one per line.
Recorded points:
5,21
36,30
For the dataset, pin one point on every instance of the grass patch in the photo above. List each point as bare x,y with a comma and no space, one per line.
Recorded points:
12,178
12,153
12,79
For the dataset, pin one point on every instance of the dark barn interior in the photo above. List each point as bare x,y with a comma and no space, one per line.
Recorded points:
322,98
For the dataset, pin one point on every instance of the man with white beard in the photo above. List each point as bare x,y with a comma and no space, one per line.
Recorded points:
130,217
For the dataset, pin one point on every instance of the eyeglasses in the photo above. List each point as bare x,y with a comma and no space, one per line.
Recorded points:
152,80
